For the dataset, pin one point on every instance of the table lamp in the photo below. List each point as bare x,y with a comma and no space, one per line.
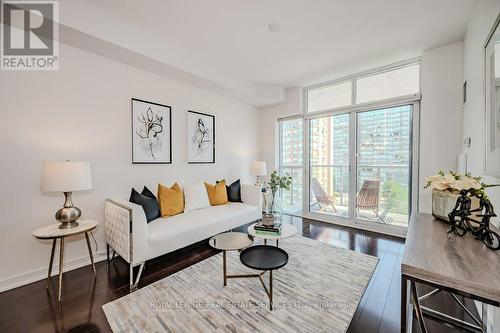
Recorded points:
258,168
66,177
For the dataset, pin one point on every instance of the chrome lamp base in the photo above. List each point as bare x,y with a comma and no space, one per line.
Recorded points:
68,225
68,214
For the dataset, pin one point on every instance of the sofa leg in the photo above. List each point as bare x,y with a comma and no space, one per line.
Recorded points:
134,284
107,253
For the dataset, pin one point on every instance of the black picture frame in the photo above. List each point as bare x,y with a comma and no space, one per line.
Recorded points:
135,140
212,150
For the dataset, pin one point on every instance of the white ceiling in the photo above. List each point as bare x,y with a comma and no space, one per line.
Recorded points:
228,41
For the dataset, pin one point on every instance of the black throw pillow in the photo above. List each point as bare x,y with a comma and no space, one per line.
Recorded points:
233,191
148,203
148,193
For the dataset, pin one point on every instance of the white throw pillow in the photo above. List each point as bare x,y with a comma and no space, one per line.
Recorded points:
195,197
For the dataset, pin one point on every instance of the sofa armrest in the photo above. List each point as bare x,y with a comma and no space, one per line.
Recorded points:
252,195
125,229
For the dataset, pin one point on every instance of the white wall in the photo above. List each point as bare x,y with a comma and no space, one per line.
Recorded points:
440,114
82,112
474,110
268,126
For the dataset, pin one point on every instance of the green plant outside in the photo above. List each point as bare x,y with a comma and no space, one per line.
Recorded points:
396,197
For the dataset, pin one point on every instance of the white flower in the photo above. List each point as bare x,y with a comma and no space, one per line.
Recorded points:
451,183
448,179
434,178
460,185
439,185
471,182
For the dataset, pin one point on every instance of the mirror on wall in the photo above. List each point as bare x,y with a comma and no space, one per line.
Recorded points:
492,100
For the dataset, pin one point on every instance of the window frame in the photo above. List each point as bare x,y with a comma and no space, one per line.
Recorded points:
353,109
354,78
337,83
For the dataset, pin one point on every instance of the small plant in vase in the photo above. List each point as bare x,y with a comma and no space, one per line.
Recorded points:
273,206
446,189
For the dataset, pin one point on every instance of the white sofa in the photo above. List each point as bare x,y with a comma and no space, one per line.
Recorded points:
130,236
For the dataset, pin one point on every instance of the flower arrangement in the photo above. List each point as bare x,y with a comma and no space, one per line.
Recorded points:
454,183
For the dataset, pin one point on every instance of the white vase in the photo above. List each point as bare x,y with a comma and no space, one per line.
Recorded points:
443,203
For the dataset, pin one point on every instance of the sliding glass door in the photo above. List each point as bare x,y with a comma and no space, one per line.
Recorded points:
329,165
383,165
360,166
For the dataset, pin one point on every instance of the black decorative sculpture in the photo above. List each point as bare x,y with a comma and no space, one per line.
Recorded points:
461,210
460,219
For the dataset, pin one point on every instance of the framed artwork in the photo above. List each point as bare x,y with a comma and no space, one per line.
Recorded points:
151,133
200,137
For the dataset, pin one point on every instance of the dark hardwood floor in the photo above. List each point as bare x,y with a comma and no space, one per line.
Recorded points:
32,308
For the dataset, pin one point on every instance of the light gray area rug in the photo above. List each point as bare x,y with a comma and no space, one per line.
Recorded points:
317,291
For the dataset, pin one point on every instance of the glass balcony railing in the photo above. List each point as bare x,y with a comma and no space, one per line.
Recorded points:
382,192
292,200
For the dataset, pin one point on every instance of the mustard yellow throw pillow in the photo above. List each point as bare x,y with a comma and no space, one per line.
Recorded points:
171,200
217,194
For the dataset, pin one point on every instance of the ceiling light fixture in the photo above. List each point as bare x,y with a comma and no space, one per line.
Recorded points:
274,27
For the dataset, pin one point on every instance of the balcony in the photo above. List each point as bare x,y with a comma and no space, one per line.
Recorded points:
384,198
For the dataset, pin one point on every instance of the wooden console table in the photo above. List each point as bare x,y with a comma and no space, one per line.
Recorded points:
461,265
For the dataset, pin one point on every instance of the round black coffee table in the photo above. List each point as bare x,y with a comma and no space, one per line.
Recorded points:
264,258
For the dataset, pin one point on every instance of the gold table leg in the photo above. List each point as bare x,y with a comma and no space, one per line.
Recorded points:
224,267
61,260
51,262
90,252
271,290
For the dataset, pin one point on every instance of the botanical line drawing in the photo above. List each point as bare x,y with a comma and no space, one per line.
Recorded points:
152,125
201,136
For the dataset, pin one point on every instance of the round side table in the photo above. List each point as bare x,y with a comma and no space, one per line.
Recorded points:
230,241
264,258
287,231
53,232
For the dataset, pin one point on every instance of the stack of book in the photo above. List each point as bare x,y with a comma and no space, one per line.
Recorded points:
268,230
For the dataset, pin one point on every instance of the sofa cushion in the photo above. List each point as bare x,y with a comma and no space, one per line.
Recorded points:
148,203
191,227
217,194
171,200
195,197
147,192
234,191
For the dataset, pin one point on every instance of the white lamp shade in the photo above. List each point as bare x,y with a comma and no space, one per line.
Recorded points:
65,176
258,168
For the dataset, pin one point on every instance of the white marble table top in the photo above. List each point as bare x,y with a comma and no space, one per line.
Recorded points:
287,230
231,241
52,230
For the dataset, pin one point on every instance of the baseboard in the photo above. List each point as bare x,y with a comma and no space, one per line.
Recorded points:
41,273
